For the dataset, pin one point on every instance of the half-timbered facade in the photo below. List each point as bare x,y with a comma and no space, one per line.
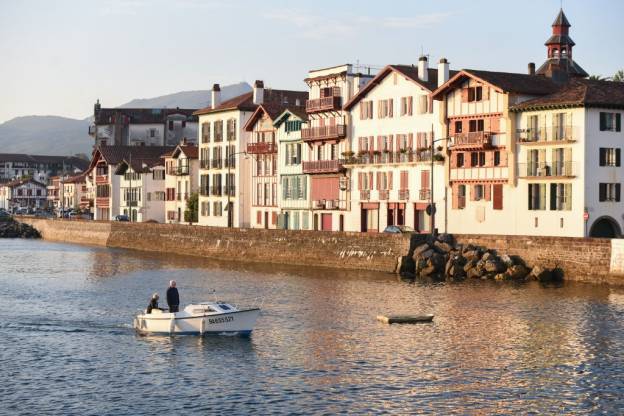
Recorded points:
181,181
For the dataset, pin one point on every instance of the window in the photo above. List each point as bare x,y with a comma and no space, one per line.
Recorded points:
560,196
218,131
497,158
610,121
406,106
475,125
205,209
461,196
497,191
478,193
609,192
231,129
458,126
292,125
170,125
609,156
152,132
158,175
474,94
205,132
217,208
477,159
366,110
460,160
533,127
537,196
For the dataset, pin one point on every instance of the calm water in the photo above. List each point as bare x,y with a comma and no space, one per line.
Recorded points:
66,345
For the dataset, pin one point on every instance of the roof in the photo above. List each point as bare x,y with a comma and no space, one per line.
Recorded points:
298,112
273,109
244,102
579,93
19,182
191,151
566,64
408,71
113,155
138,165
560,40
42,159
142,115
76,179
509,82
561,19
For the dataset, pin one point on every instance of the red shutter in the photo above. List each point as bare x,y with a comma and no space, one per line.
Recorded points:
464,95
391,107
362,110
409,105
498,196
503,158
391,142
370,180
410,141
379,143
487,192
467,159
404,179
489,159
378,187
390,180
455,190
259,217
371,143
453,160
430,104
398,142
424,179
360,176
274,218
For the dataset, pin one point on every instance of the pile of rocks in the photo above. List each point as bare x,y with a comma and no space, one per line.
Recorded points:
441,258
9,228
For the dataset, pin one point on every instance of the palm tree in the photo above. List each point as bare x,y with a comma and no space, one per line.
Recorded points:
619,76
598,78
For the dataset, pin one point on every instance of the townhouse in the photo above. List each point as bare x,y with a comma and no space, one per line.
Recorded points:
181,181
263,148
294,198
104,163
142,188
53,193
39,167
24,193
75,193
325,136
226,193
394,124
142,126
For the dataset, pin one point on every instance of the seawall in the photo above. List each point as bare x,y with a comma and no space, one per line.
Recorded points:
590,260
378,252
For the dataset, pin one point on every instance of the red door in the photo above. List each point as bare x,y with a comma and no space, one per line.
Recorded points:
326,222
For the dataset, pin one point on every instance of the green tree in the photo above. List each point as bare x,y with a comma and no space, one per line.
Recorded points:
619,76
597,78
192,208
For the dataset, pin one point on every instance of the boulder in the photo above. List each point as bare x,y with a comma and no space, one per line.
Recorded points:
542,274
427,271
493,266
405,264
506,260
457,272
486,256
446,238
437,261
500,276
517,272
420,249
470,264
426,254
473,273
471,254
442,247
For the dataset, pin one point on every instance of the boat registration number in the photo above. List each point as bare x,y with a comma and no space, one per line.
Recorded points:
220,320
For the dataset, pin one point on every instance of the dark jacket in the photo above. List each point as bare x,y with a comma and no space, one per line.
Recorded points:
173,297
152,305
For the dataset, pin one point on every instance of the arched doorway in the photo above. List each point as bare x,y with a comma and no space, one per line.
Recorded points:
605,227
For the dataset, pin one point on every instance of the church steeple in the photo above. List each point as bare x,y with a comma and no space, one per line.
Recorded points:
559,64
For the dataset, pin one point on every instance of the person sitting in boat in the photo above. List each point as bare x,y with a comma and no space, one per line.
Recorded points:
173,297
153,303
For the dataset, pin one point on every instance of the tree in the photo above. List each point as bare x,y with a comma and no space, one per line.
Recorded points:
192,208
597,78
619,76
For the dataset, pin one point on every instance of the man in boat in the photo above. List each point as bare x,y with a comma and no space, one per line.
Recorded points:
173,297
153,303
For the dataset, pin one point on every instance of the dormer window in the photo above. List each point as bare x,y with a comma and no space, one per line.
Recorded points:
474,94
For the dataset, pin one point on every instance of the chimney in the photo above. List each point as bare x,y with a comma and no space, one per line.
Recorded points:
216,95
423,69
184,142
258,92
531,68
443,71
96,108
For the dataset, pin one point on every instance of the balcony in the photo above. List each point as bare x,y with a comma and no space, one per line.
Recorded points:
333,103
378,158
330,204
216,163
548,135
384,195
262,147
473,140
102,202
131,203
204,191
312,134
323,166
403,194
101,179
364,195
565,169
204,164
178,170
479,173
424,194
215,191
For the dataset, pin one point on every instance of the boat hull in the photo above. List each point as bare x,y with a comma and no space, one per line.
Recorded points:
232,323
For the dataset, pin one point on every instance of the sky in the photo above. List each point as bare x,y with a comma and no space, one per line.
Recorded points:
58,57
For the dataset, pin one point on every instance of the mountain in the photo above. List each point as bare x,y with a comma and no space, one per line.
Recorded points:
54,135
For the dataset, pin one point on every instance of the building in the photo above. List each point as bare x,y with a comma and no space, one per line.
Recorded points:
24,193
325,136
76,193
53,193
38,167
263,146
5,196
393,123
104,164
142,126
181,180
569,161
142,189
293,197
225,191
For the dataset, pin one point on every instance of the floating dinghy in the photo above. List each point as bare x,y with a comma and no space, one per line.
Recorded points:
404,319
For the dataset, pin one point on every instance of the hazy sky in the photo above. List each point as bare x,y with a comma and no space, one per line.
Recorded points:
57,57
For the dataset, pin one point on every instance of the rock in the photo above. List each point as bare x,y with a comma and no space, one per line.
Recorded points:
471,254
437,261
446,238
473,273
420,249
448,266
542,274
557,275
517,272
406,264
427,271
457,272
470,264
420,265
507,261
493,266
500,276
442,247
486,256
426,254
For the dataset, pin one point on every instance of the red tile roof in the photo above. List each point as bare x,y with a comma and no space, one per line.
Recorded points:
114,155
142,115
244,102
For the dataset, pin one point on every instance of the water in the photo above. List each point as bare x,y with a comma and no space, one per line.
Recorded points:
66,345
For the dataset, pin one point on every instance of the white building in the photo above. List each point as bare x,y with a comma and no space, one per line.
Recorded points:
23,193
393,123
142,190
181,181
142,126
294,186
325,134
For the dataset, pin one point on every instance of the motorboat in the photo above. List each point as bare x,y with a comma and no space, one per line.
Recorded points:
217,318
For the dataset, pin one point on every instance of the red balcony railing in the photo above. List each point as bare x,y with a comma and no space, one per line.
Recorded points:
472,140
324,132
323,166
102,202
262,147
364,195
101,179
403,194
384,195
324,104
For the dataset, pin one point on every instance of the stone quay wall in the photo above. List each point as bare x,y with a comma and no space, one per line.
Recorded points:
358,251
582,259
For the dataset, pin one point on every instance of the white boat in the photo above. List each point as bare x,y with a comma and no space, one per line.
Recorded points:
198,319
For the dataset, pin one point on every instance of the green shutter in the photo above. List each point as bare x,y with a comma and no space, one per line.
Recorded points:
618,122
603,121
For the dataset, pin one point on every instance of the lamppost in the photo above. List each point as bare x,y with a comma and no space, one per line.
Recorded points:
431,208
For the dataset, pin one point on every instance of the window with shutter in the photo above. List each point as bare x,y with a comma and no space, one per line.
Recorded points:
603,156
602,192
497,196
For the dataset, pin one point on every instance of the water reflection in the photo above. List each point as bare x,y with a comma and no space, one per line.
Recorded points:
492,348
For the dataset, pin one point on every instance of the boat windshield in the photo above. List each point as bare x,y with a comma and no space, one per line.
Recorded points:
224,307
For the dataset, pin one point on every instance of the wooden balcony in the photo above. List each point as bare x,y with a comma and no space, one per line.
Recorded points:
323,166
380,158
178,170
101,179
364,195
313,134
102,202
262,147
473,140
333,103
403,194
424,194
384,195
